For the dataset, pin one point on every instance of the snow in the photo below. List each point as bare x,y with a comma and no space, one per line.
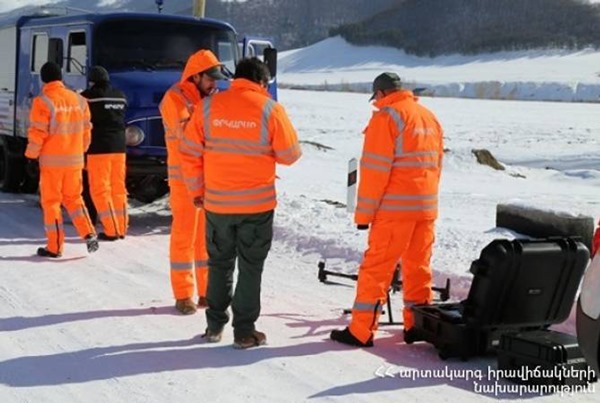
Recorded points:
102,327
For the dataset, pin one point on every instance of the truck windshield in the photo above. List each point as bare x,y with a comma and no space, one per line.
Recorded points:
159,45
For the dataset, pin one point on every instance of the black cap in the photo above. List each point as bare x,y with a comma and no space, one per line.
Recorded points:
98,74
216,73
386,81
50,72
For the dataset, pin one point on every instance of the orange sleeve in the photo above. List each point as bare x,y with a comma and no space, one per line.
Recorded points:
375,166
285,140
87,127
39,126
191,149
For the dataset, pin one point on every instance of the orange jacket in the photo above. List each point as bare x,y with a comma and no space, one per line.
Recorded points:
401,161
178,104
59,127
231,147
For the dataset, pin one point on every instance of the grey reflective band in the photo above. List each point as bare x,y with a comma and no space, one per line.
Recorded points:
409,197
399,125
201,263
366,306
270,188
206,114
50,106
181,265
379,157
240,202
266,115
93,100
374,167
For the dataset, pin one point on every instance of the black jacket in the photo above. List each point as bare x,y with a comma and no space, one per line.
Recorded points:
107,106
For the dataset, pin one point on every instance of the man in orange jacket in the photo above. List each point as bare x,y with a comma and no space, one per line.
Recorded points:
59,134
188,248
229,153
398,198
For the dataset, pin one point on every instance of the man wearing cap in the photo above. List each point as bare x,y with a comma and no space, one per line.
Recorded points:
105,159
188,245
398,199
58,135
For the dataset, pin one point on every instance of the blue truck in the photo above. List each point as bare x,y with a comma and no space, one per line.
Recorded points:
144,54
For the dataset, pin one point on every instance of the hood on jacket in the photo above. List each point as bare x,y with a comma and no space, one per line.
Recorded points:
202,61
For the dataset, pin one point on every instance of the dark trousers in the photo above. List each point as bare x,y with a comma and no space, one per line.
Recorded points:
247,238
87,198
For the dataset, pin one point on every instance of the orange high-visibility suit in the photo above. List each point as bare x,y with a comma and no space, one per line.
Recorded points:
398,196
230,145
188,244
59,134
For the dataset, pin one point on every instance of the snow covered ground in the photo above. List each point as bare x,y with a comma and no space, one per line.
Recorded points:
547,75
102,328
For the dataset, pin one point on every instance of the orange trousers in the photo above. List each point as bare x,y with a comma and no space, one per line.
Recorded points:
106,175
62,186
188,244
390,241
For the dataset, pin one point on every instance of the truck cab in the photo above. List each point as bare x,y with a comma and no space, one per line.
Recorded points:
144,55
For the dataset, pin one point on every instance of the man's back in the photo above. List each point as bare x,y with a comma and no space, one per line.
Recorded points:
107,106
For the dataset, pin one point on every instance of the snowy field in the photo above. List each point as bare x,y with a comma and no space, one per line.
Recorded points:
102,328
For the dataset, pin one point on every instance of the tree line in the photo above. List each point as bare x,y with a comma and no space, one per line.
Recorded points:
435,27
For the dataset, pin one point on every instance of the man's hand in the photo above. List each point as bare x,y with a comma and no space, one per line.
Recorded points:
362,227
199,202
32,167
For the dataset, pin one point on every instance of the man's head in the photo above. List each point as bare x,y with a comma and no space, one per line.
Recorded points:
50,72
204,69
384,84
98,75
253,69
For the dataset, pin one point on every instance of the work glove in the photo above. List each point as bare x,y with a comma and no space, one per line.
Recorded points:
199,202
32,168
362,227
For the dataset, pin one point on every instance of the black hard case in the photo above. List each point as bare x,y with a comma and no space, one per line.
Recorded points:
518,285
543,357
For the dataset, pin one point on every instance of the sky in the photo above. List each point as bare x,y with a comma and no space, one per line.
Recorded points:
102,327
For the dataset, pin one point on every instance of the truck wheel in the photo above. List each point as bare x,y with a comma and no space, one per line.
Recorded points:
12,171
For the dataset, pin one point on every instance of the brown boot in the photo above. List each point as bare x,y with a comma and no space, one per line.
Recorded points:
202,302
185,306
255,339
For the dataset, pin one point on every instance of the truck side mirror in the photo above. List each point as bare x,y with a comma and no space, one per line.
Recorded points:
55,51
270,58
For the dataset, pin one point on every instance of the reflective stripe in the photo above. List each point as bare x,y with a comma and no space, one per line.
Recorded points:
365,210
367,200
39,125
366,306
69,128
237,150
92,100
52,227
240,202
191,147
206,114
201,263
60,160
34,146
50,106
384,158
77,213
181,266
175,167
399,125
241,192
374,167
291,154
266,115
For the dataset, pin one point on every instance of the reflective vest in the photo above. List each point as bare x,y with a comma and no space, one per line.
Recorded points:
59,127
231,146
401,162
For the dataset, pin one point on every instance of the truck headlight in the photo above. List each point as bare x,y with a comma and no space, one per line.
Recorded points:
134,136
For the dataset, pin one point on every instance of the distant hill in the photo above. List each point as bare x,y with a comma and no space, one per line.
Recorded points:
290,23
435,27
